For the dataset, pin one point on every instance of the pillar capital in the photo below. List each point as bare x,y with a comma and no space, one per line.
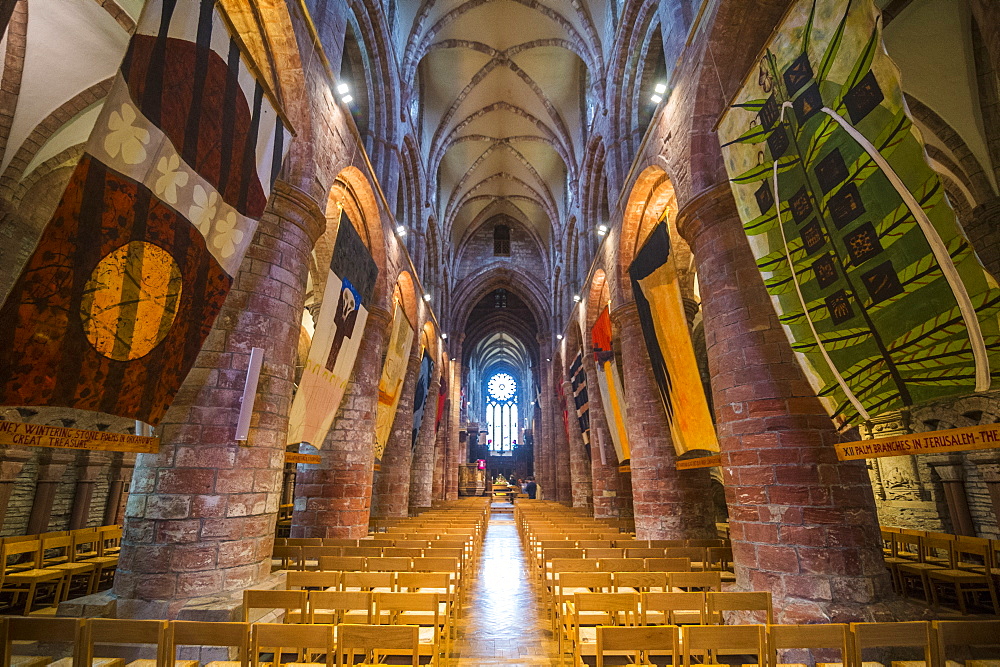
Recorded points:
297,206
712,205
379,316
627,313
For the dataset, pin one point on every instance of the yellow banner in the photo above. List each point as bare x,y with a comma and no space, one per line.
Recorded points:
16,434
292,457
700,462
984,436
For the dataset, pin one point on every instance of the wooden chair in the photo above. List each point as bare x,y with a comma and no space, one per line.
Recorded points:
965,641
756,601
303,541
907,634
668,564
288,557
646,552
339,542
66,631
387,564
720,559
293,603
113,635
640,582
622,565
671,608
321,580
929,555
306,640
809,637
568,584
640,642
111,540
57,553
342,563
216,634
20,581
374,641
709,641
704,581
590,610
335,607
966,575
604,552
363,552
695,554
665,544
373,582
420,609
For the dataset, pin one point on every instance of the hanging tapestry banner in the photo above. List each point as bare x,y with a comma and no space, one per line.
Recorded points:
881,295
390,385
982,436
609,383
16,434
578,377
441,399
668,341
112,308
338,332
420,394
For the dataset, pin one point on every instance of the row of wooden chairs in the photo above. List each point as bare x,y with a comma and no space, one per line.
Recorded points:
102,642
55,562
713,558
309,558
931,562
918,642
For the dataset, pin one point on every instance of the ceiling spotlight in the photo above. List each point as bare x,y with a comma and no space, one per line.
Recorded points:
558,336
400,230
427,297
656,99
346,99
343,89
577,298
660,88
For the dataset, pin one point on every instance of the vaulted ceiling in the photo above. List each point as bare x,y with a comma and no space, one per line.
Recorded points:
501,89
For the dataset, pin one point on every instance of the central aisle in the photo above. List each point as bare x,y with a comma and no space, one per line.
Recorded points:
503,624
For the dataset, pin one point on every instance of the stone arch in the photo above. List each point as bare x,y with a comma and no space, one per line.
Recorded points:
405,294
469,292
652,193
599,296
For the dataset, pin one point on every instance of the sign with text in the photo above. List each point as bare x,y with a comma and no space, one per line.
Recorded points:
292,457
16,434
700,462
984,436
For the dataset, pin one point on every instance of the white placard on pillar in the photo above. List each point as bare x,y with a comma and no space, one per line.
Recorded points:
249,393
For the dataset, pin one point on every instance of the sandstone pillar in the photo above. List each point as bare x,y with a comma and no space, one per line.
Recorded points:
803,524
422,467
88,467
441,439
333,497
453,453
201,513
560,441
391,494
604,466
579,465
669,504
12,461
120,475
51,467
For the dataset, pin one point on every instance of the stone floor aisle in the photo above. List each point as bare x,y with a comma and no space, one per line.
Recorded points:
503,622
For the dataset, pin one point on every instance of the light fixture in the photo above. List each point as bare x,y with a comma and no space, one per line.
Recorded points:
346,99
400,230
343,89
577,298
427,297
548,360
660,88
656,99
558,336
444,336
602,230
453,358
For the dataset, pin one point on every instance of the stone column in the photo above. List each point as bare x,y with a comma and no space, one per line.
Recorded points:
51,467
453,457
579,466
422,467
441,439
803,524
201,513
120,475
88,467
333,497
949,469
391,494
560,441
604,475
12,461
669,504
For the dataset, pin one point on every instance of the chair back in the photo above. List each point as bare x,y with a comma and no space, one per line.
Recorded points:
706,581
644,641
342,563
115,632
288,601
902,634
757,601
388,564
622,564
303,580
211,633
303,638
620,608
29,629
963,641
371,640
708,640
668,564
367,581
801,637
333,606
668,603
642,582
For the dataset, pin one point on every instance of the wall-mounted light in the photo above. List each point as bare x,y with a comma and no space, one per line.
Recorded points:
548,360
577,298
602,230
400,230
656,99
427,297
444,336
343,89
658,91
558,336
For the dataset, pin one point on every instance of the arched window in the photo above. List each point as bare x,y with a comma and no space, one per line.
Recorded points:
501,413
501,241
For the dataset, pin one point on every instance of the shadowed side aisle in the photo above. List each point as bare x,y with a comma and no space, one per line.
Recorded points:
503,624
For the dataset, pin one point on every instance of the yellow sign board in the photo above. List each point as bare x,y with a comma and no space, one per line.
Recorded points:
16,434
701,462
291,457
984,436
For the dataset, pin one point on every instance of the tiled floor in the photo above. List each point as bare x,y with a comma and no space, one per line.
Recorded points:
503,622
